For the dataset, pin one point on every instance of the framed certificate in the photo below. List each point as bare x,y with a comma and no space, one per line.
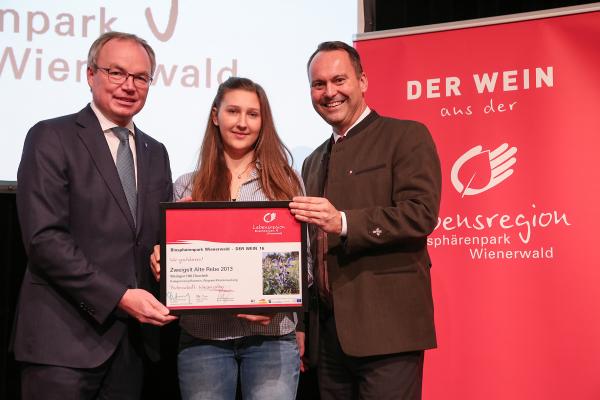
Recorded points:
242,257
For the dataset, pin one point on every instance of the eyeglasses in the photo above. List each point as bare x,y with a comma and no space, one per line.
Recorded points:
117,76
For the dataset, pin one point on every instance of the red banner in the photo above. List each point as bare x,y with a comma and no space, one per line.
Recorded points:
514,109
232,225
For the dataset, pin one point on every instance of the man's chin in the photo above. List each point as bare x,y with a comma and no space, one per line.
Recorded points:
331,120
329,115
126,112
121,118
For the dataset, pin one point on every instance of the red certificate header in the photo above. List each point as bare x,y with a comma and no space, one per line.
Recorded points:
232,225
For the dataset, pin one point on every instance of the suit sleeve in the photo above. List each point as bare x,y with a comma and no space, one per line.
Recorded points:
415,197
43,207
169,194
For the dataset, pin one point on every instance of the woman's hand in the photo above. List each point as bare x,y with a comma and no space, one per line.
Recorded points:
155,256
300,336
261,319
155,262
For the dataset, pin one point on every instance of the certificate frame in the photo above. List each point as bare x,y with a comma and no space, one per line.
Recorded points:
211,254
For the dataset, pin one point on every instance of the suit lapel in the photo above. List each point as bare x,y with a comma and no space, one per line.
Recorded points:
323,167
91,135
142,156
372,116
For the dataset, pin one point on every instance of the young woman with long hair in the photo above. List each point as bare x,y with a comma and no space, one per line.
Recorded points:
242,158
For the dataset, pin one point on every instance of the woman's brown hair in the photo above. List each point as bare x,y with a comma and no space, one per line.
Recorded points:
213,179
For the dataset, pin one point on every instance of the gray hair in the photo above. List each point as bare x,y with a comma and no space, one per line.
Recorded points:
105,37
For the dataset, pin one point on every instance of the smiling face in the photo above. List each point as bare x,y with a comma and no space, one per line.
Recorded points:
119,102
336,90
239,120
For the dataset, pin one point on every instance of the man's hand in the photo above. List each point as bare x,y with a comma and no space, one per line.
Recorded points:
300,336
318,211
144,307
261,319
155,262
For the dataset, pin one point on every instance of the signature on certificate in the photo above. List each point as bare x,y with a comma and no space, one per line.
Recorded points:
177,298
223,294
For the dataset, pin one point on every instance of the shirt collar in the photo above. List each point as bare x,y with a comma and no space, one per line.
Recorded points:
255,171
362,116
107,124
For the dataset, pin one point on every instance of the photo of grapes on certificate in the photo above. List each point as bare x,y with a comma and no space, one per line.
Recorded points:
281,272
240,257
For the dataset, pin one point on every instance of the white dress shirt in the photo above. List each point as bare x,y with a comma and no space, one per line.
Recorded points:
112,140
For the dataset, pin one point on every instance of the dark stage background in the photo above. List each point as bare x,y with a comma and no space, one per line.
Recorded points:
162,380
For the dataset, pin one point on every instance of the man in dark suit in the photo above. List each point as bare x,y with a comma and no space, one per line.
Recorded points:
376,198
89,186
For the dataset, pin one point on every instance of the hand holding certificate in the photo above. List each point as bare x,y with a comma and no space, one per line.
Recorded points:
246,257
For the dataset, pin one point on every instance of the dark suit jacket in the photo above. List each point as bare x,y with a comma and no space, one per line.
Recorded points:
386,177
83,248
